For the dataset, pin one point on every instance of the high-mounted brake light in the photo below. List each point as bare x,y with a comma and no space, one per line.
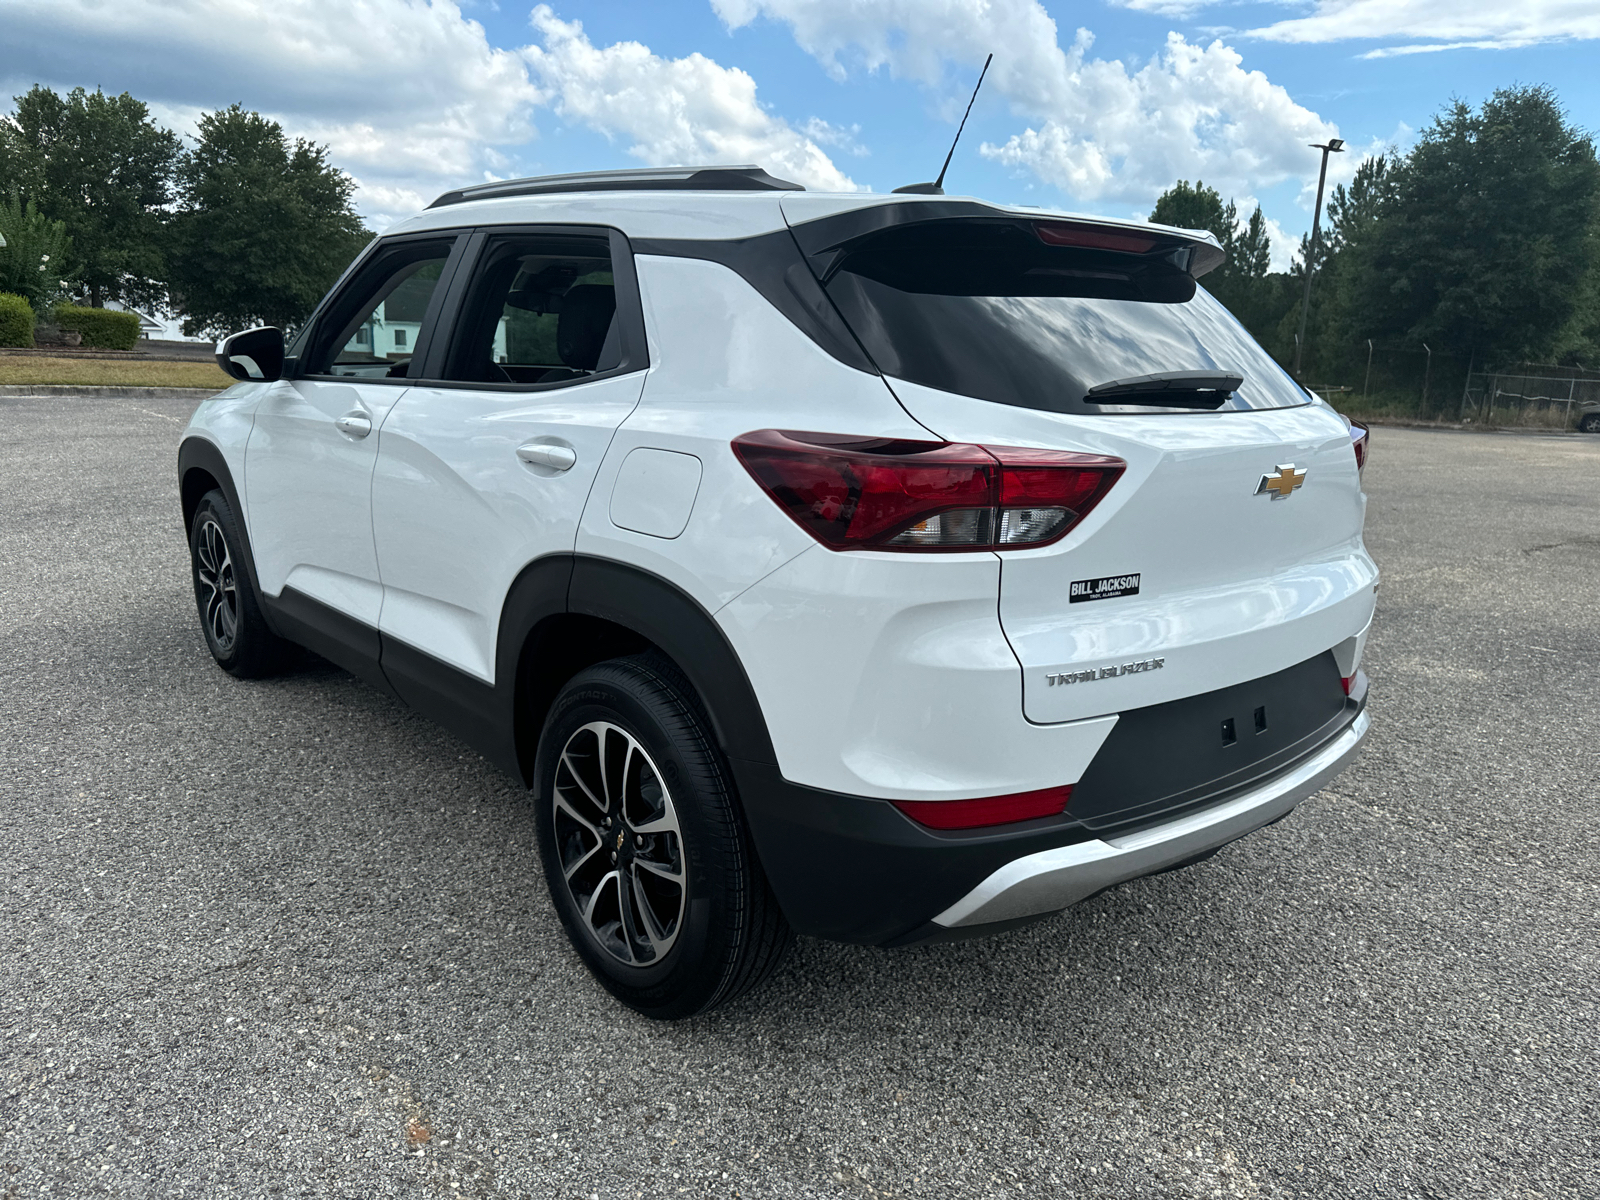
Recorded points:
1091,237
1360,437
990,810
854,493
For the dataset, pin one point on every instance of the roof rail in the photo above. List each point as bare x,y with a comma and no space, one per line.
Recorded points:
748,178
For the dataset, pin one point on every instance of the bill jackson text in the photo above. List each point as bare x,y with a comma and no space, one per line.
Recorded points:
1089,676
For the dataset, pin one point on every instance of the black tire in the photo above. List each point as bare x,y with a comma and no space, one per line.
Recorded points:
230,614
670,802
1590,423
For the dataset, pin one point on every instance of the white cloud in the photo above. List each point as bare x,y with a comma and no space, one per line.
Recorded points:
1164,8
406,93
1476,24
1435,47
1101,130
674,111
409,95
826,134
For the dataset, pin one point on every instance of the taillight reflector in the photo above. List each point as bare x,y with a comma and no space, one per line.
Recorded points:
989,810
1360,438
854,493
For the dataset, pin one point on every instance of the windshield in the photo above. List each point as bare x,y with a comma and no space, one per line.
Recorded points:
992,310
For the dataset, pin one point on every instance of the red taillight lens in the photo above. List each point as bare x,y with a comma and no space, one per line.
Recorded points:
990,810
887,494
1359,440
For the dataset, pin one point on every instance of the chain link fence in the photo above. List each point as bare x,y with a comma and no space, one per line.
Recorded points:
1529,394
1401,380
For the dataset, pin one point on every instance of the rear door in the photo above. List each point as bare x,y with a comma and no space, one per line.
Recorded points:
485,466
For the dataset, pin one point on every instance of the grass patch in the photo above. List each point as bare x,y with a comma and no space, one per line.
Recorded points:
93,372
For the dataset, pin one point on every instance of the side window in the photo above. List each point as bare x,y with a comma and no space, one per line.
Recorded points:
540,309
372,328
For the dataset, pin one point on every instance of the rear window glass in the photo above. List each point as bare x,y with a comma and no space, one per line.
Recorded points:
988,309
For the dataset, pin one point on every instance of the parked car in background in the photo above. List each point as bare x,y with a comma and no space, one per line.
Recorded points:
882,568
1588,417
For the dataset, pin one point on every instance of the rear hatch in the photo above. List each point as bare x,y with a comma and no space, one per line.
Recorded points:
1229,550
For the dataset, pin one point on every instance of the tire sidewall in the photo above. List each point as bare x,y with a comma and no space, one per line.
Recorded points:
603,694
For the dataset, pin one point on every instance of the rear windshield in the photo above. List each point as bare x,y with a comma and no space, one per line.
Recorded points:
988,309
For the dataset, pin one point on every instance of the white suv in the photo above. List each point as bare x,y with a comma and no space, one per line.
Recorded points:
879,568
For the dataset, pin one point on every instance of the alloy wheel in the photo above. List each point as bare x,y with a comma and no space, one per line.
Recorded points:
219,601
619,844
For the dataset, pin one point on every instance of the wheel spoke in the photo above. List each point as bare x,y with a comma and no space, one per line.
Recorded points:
572,770
608,934
578,862
631,902
666,823
564,807
661,870
658,937
594,896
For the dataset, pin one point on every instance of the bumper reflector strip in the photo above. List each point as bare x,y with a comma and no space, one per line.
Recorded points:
987,810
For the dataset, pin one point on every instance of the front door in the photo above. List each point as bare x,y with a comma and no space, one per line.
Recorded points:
309,460
488,469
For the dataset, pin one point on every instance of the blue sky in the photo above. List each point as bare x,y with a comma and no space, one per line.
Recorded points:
413,97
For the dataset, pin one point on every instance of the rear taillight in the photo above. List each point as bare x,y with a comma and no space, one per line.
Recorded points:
892,494
1359,435
990,810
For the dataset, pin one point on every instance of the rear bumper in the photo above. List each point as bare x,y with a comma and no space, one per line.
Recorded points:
853,869
1053,879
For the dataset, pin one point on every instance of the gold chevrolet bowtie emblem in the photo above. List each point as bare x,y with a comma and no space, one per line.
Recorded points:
1283,481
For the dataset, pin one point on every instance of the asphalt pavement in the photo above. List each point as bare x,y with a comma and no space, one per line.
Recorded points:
286,938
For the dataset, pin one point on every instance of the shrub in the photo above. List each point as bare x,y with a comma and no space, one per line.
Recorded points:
100,327
36,253
16,321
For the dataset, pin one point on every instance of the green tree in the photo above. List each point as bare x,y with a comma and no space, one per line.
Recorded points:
1578,343
99,165
264,228
1335,323
1240,283
36,253
1480,240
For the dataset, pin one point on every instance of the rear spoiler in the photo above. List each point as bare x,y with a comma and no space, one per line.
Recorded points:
825,241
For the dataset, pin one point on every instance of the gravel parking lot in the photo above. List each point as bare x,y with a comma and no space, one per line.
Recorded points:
288,939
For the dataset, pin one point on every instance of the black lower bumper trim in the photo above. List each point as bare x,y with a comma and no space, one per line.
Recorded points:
857,870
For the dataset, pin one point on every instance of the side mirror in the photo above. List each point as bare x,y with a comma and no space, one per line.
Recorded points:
256,355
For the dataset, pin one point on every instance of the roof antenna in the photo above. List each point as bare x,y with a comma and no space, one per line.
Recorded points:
936,188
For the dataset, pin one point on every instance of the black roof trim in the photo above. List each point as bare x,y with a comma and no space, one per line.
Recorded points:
747,178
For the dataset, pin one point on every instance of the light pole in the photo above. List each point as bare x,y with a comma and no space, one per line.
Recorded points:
1334,146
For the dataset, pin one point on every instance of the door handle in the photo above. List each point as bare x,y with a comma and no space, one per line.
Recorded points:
545,454
355,424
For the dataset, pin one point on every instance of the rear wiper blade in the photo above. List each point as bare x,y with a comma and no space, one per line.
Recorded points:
1168,389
